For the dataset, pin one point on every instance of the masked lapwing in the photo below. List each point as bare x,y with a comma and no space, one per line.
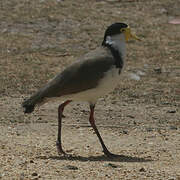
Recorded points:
94,75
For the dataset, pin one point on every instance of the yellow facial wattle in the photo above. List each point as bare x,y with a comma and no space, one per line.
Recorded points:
129,35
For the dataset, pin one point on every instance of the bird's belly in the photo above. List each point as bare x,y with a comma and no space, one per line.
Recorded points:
105,85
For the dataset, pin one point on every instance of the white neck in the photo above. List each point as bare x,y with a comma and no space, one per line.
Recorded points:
118,42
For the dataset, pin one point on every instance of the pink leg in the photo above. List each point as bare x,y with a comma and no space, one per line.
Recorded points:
92,122
60,115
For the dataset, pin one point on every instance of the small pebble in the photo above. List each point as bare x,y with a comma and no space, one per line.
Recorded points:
171,111
158,70
142,170
173,127
134,76
125,132
18,134
141,73
131,116
34,174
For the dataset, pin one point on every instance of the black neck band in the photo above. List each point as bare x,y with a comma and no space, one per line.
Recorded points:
117,56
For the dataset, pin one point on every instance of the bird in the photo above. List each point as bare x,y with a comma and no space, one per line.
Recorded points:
92,76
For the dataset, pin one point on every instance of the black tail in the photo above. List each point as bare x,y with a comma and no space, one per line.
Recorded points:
29,104
28,108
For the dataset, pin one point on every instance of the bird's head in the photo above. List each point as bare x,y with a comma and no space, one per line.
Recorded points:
118,30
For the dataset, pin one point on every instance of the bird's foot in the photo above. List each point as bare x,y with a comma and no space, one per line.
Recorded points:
110,155
59,148
60,151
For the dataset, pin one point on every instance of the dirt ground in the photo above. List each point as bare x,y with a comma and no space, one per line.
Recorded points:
139,120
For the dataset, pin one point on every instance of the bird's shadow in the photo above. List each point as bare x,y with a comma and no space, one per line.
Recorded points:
117,158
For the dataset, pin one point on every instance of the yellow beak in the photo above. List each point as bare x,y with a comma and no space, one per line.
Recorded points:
129,35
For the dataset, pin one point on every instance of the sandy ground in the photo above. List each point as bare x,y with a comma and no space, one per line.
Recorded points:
148,149
139,120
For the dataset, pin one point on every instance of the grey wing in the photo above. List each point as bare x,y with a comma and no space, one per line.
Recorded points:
82,75
78,77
